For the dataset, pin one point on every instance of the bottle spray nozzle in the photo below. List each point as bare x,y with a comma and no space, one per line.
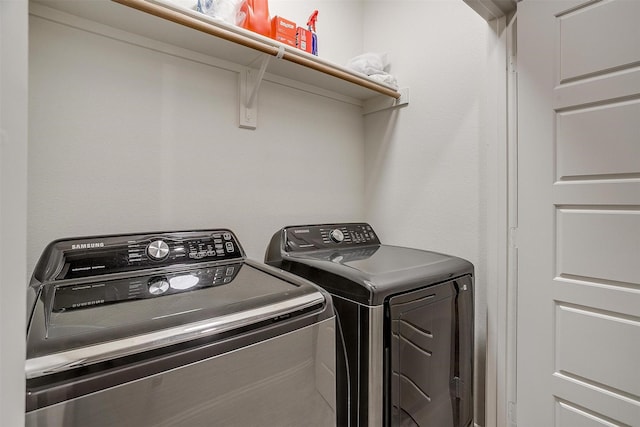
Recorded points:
311,23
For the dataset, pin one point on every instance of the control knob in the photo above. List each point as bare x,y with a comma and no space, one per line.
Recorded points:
158,250
158,286
336,235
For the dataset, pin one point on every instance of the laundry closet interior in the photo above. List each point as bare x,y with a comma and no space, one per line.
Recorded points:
131,133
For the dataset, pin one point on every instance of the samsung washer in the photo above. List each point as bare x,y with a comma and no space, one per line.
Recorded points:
174,329
405,351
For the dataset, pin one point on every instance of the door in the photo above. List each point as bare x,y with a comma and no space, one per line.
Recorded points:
431,362
579,213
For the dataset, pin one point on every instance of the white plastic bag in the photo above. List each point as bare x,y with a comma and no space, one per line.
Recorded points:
374,65
369,63
227,10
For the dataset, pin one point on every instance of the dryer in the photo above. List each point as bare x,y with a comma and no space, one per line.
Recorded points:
405,344
174,329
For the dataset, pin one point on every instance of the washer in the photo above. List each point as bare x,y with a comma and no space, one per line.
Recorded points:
175,329
405,351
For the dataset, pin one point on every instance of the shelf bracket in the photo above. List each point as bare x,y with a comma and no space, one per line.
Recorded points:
250,81
381,103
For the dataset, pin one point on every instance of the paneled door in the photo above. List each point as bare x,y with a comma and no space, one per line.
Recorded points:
578,242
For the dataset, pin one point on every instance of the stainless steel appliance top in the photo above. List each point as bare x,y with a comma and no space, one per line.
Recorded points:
101,298
349,260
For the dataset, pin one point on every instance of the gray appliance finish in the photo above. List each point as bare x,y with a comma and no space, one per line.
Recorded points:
175,329
405,316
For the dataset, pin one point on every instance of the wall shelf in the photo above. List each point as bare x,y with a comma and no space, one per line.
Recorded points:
167,22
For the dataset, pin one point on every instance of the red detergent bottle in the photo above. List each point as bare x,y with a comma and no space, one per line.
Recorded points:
257,16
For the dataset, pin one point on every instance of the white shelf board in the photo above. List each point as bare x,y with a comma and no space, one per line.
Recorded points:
193,33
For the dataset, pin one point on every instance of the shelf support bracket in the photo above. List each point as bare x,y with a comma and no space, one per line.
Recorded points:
250,81
380,103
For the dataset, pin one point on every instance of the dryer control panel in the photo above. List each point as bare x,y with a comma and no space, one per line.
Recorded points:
328,236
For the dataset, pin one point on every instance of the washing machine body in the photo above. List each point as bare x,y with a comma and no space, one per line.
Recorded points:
405,342
174,329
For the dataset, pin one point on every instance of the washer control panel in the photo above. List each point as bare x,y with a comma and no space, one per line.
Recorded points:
100,255
329,236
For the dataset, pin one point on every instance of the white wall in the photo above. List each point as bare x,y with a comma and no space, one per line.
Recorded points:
423,169
125,138
13,207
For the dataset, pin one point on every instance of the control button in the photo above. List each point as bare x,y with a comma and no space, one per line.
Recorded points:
229,246
336,235
158,286
229,271
226,236
158,250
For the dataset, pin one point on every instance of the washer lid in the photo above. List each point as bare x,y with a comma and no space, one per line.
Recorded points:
63,337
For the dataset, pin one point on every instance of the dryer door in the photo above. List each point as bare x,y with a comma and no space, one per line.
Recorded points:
431,355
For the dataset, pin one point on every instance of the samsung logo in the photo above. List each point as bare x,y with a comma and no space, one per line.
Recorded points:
88,245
